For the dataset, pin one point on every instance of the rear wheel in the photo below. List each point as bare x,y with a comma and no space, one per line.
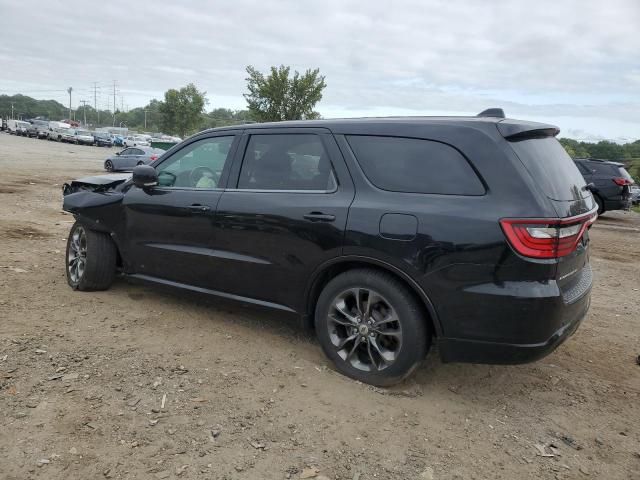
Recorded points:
91,259
372,327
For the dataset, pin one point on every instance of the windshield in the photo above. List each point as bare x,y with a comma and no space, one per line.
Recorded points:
551,168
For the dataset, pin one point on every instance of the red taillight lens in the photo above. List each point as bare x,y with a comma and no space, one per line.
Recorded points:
154,157
546,238
622,181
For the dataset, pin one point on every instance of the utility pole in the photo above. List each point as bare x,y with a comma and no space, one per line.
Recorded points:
11,110
114,103
84,107
95,101
145,119
69,90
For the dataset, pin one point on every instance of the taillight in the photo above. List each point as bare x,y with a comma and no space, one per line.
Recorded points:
546,238
154,157
622,181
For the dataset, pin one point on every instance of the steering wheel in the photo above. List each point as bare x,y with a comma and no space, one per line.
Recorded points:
197,173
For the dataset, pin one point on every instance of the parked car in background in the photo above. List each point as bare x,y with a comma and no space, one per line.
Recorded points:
635,194
130,157
65,135
611,183
18,127
118,141
103,139
83,137
136,140
53,130
385,234
38,129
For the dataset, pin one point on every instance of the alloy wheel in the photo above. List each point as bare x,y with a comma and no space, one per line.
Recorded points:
364,329
77,254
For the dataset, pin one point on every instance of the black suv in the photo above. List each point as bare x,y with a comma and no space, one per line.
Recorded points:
384,234
609,181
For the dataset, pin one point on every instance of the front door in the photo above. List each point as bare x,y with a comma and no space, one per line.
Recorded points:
170,227
283,214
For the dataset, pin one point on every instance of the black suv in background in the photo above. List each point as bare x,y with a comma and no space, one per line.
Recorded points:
384,234
611,183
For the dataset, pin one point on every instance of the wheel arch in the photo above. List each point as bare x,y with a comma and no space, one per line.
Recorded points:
96,226
330,269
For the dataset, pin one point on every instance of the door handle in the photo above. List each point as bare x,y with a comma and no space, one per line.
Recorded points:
199,208
319,217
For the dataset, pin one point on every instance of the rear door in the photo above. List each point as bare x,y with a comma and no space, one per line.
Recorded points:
283,214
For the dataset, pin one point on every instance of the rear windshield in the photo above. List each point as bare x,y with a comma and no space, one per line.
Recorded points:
551,168
624,173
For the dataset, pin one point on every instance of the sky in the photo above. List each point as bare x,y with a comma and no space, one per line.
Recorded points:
573,63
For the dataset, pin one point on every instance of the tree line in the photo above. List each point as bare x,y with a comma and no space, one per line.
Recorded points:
275,96
272,97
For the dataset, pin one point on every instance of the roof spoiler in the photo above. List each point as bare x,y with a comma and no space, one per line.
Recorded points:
492,112
522,130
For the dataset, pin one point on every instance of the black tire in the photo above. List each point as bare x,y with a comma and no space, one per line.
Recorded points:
140,163
108,166
414,327
98,262
600,204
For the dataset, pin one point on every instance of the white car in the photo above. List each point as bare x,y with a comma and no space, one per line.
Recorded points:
136,141
84,137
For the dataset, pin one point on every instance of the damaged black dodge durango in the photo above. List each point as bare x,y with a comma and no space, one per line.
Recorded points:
385,235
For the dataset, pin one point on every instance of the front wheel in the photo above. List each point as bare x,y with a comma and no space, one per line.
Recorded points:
91,259
372,327
108,166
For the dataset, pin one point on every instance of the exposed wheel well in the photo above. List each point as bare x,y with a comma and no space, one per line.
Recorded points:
336,269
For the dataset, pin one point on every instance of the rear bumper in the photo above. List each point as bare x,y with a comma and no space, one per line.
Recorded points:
531,334
621,200
475,351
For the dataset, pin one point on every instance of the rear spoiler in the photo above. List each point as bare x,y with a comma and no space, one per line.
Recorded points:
521,130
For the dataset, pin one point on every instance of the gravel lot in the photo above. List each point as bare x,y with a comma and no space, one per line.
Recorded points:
83,376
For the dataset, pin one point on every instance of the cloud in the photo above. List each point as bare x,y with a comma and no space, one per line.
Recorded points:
576,59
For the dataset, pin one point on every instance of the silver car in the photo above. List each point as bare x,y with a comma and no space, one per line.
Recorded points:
130,157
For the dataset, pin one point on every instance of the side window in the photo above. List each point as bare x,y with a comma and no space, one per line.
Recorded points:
137,151
198,165
414,166
286,162
126,151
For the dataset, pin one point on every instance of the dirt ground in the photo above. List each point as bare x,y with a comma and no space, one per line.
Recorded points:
83,376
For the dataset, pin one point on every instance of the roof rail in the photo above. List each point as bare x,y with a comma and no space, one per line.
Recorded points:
492,112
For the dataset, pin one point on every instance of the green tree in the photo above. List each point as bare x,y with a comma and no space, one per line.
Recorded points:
180,113
276,97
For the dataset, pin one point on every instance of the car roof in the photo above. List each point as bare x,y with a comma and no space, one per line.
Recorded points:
507,126
600,160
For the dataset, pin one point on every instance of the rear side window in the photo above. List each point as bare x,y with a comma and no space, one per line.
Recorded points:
551,167
286,162
414,166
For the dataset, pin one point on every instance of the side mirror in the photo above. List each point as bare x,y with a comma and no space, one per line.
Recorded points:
118,153
145,176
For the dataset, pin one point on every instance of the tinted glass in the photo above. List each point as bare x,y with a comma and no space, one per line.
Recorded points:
286,162
199,165
551,168
415,166
624,174
602,168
